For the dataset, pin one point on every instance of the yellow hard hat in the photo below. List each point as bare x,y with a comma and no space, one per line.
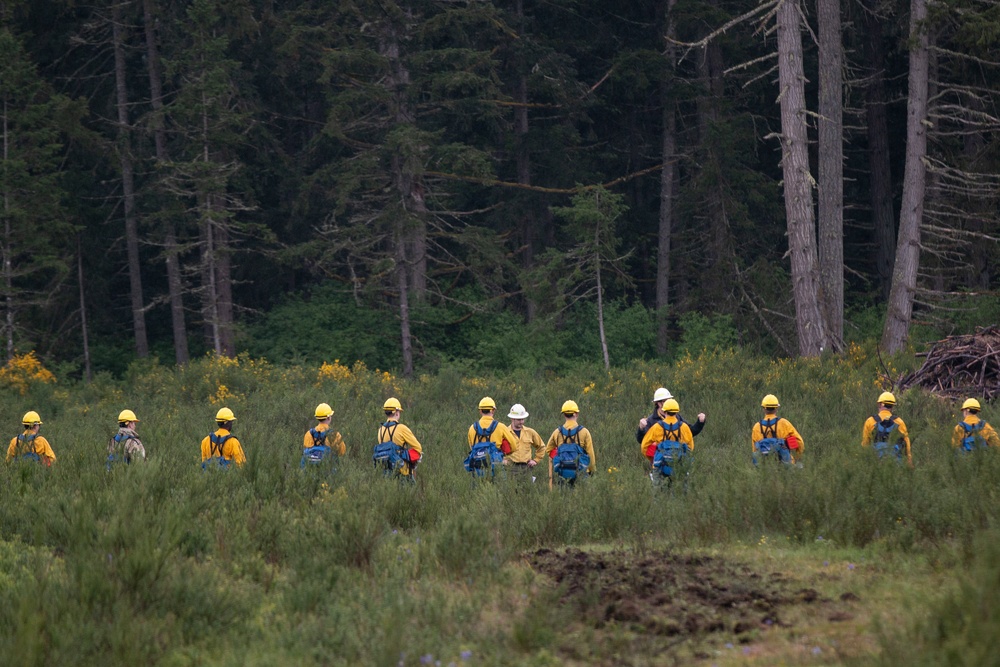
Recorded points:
31,418
225,415
887,398
570,407
323,410
970,404
127,416
671,406
487,403
770,401
392,404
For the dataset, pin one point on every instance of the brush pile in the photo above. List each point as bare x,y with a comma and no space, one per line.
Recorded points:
961,366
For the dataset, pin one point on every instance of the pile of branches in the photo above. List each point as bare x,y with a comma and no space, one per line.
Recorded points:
961,366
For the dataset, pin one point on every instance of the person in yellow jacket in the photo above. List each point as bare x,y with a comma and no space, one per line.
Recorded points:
972,432
886,432
322,435
489,429
31,445
774,436
222,447
676,436
392,431
528,446
570,433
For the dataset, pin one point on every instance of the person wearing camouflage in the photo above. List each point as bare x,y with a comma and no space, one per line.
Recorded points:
125,444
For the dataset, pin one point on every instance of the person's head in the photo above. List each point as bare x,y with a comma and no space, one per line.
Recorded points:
886,401
570,410
323,413
770,404
487,406
517,415
971,407
224,419
392,408
127,419
31,421
671,407
659,396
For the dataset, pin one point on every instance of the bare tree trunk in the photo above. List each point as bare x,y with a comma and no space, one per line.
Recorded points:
8,251
831,168
811,325
404,306
879,165
175,285
600,298
528,219
210,294
667,195
128,186
224,285
719,239
88,374
408,184
904,274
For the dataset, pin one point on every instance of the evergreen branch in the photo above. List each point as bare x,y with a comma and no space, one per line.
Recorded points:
539,188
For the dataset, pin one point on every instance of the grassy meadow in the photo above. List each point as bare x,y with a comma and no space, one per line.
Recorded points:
844,561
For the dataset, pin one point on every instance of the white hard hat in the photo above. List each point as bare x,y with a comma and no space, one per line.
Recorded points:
517,411
661,394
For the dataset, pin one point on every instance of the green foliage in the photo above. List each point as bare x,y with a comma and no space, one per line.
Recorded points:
324,325
700,332
162,563
962,626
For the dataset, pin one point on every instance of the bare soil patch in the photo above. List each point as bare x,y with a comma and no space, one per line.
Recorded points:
668,598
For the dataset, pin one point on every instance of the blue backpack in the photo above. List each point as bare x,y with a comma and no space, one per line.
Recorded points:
771,443
119,439
319,451
973,436
387,455
26,448
485,456
217,460
671,450
883,431
571,459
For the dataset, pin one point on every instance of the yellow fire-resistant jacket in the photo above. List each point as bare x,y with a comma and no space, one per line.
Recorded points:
585,441
655,435
988,434
41,447
784,429
333,440
232,450
526,447
868,432
500,433
402,436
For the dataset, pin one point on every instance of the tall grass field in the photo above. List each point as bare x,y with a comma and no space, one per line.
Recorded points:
162,563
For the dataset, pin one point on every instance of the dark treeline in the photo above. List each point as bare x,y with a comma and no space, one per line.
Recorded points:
508,182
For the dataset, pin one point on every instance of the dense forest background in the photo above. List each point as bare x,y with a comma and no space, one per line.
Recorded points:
498,184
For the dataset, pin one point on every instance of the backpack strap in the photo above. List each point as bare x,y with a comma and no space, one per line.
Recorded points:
484,434
769,427
570,435
26,444
671,432
319,437
387,432
218,442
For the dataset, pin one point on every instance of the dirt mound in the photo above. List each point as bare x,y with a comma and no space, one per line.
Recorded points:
961,366
664,593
